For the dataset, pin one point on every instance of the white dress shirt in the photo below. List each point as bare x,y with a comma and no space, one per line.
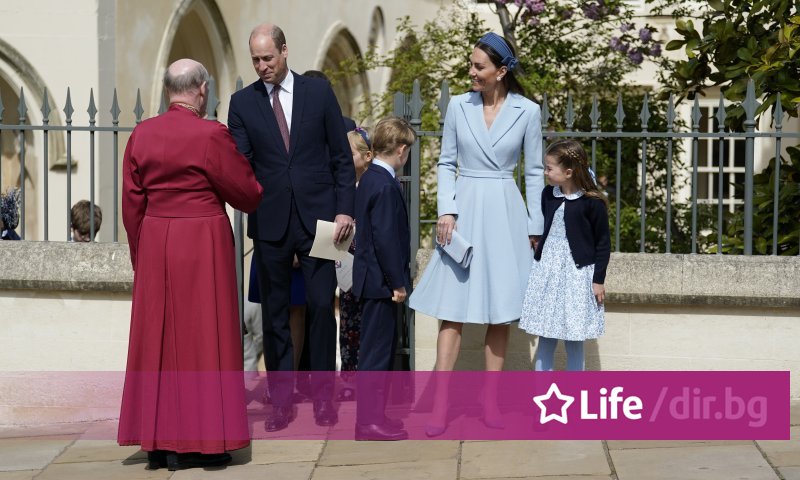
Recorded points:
286,95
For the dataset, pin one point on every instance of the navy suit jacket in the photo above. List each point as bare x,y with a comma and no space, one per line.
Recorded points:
318,168
383,240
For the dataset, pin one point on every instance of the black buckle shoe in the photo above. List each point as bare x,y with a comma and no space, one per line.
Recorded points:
182,461
325,413
279,420
380,432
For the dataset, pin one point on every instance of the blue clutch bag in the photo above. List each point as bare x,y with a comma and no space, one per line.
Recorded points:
459,250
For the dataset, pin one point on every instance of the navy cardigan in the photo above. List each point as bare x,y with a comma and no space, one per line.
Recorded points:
586,221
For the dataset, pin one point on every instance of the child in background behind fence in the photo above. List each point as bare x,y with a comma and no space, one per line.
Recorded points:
9,214
565,295
80,219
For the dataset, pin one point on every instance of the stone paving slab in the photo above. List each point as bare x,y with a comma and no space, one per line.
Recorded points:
274,471
484,460
262,452
19,475
29,454
783,453
628,444
557,477
364,453
789,473
114,470
99,451
739,462
418,470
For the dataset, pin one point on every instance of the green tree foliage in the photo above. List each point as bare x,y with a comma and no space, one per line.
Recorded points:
584,48
788,238
738,40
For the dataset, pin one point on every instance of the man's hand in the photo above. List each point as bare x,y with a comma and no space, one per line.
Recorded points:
399,295
444,229
344,228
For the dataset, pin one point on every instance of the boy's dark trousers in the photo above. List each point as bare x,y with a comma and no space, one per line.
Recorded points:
375,357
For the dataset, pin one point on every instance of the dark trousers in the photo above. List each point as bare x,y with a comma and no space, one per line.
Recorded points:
274,260
375,358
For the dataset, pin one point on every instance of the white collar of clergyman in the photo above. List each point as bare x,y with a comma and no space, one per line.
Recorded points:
385,165
287,84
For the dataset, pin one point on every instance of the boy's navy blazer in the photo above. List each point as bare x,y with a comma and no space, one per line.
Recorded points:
383,240
586,222
318,168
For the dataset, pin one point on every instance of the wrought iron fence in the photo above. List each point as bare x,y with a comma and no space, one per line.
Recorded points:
409,106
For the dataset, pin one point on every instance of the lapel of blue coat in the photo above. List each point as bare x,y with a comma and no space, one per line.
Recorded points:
473,111
298,102
509,113
265,107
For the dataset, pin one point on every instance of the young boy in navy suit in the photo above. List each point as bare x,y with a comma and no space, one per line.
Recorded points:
381,275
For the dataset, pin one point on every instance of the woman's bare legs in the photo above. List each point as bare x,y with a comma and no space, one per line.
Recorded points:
448,345
496,344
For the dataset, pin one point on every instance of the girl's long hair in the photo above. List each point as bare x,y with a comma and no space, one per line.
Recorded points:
571,155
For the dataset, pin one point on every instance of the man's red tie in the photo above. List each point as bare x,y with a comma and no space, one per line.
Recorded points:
279,115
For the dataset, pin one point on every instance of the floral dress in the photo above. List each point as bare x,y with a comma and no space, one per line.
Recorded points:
349,329
559,302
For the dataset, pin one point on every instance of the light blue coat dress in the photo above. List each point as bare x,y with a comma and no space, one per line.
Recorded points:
476,183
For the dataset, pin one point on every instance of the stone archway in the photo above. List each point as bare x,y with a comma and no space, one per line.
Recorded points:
197,30
349,89
17,76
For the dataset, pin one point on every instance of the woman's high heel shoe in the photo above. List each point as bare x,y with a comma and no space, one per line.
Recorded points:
495,423
434,430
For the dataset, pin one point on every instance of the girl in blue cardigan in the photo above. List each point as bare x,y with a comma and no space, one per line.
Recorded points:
565,294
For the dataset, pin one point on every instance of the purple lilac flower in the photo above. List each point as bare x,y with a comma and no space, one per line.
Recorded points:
626,27
635,57
566,14
645,35
618,45
535,6
533,21
655,50
592,11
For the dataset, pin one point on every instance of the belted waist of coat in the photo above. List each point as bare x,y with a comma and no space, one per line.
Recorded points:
183,203
468,172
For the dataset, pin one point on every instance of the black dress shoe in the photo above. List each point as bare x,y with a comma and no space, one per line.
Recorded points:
280,418
157,459
324,413
181,461
380,432
394,422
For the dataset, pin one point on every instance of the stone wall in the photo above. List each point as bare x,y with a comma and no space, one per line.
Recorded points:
66,306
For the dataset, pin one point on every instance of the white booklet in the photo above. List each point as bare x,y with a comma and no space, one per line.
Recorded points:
344,273
324,247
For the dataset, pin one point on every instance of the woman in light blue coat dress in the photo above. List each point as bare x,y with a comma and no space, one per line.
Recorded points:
485,131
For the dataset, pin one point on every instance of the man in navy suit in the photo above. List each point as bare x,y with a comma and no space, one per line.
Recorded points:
290,128
381,276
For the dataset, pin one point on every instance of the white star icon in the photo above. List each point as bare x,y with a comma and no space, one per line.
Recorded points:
540,399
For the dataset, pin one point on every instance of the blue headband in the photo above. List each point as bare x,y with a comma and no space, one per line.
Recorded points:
500,46
364,135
